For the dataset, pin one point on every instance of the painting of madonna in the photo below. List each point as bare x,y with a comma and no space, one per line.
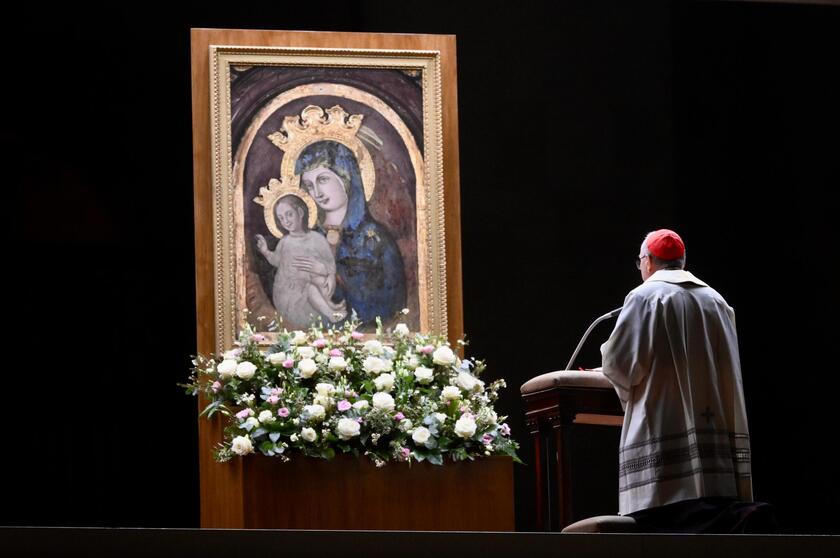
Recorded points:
369,273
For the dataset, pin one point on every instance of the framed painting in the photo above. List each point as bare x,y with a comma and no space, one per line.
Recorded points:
327,183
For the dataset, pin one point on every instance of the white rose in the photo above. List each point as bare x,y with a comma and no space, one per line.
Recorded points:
465,427
250,423
293,437
309,434
315,411
441,418
306,352
226,369
298,338
424,375
443,355
467,381
337,363
325,389
361,405
246,370
242,445
266,416
276,358
324,401
384,382
450,393
373,347
421,435
382,400
347,428
405,425
401,330
373,365
412,362
307,368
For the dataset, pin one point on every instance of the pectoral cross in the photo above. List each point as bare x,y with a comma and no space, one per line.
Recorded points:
708,414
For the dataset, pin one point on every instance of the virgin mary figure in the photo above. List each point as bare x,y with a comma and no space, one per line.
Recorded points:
370,276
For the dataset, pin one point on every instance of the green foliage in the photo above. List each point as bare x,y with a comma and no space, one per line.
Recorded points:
391,396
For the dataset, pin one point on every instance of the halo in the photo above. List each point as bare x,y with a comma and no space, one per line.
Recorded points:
316,124
276,190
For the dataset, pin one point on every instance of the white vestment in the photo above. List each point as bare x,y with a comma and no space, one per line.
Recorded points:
673,359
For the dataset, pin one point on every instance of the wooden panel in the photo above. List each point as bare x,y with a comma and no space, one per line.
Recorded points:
221,485
603,420
351,493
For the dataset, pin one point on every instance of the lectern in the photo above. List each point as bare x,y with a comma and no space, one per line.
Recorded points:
554,403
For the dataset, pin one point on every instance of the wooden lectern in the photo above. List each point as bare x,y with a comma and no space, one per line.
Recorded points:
554,403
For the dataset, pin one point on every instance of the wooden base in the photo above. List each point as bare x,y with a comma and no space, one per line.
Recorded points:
352,493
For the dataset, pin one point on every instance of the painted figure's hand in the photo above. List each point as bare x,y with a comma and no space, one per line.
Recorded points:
262,245
310,265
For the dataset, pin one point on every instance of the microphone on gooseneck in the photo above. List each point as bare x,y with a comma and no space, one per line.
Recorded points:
606,316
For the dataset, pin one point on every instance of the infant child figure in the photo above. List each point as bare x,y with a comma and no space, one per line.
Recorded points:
305,278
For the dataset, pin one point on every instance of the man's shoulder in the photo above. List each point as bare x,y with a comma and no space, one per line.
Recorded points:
652,289
661,291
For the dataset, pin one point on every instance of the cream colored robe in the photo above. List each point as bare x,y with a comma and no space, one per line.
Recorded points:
673,360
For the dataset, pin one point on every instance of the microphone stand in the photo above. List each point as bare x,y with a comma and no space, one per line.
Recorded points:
606,316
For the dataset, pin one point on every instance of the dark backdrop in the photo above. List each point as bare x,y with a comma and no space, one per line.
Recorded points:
716,119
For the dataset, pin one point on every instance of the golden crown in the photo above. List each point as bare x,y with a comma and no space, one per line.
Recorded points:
316,124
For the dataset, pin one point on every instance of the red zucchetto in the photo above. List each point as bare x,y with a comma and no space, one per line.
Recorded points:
665,244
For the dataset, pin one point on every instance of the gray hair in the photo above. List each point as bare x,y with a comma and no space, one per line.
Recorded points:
679,263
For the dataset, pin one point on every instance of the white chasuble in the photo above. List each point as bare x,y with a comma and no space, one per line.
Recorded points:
673,360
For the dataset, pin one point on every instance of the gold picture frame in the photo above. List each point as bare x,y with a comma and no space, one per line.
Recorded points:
293,96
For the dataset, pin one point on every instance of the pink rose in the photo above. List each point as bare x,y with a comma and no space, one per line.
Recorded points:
356,335
288,363
399,416
343,405
244,413
487,438
405,452
216,386
283,412
319,343
428,349
335,353
257,337
273,399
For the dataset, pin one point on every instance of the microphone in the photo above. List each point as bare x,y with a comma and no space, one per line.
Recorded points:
606,316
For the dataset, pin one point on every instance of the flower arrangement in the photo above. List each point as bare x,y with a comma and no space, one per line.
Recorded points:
395,396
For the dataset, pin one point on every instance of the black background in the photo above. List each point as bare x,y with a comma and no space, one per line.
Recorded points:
583,125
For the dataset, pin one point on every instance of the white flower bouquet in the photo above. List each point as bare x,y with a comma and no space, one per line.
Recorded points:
398,396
